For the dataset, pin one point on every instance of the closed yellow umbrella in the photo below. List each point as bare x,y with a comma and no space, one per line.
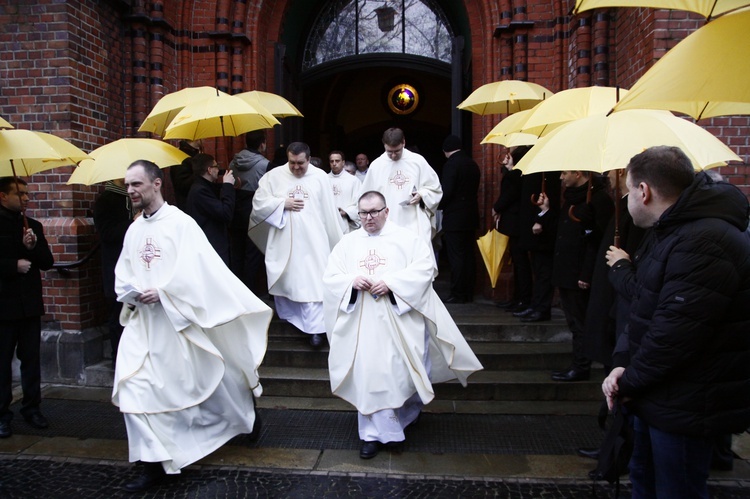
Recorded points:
706,8
506,96
492,247
5,124
111,161
275,104
704,75
601,143
25,152
171,104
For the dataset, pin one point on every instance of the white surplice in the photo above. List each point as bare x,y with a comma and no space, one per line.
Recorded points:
296,243
345,194
186,366
382,354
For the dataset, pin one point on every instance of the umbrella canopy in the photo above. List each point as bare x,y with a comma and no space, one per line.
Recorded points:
25,152
5,124
218,116
601,143
512,139
171,104
704,75
492,246
112,160
507,96
706,8
275,104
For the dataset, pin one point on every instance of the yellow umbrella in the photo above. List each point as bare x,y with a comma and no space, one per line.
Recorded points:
5,124
218,116
506,96
601,143
25,152
512,139
171,104
110,161
706,8
492,247
275,104
704,75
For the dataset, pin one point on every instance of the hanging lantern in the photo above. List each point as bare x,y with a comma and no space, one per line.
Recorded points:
386,18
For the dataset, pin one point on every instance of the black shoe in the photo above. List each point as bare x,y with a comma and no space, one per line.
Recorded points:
37,420
592,453
518,306
316,340
455,299
572,375
595,476
523,313
5,430
369,449
535,317
153,474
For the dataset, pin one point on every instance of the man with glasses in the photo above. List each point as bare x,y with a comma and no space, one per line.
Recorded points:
295,222
391,337
211,202
410,185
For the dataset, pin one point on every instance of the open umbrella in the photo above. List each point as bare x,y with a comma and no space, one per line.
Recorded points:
275,104
171,104
110,161
601,143
492,247
25,152
506,96
704,75
218,116
512,139
5,124
706,8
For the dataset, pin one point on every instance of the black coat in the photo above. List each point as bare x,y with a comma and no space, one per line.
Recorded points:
460,183
21,294
112,217
578,241
689,326
531,185
508,203
213,212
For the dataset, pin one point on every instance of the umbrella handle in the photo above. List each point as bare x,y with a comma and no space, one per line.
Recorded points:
534,199
572,216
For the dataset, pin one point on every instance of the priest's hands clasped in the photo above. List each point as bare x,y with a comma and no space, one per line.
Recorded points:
362,283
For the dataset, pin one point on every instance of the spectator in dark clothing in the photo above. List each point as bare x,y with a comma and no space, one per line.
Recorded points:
689,369
506,212
279,157
211,202
460,182
24,252
538,230
113,214
581,224
182,175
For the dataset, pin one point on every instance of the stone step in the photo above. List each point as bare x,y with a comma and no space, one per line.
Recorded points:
297,352
483,386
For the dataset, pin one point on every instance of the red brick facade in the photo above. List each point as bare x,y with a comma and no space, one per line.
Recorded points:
90,71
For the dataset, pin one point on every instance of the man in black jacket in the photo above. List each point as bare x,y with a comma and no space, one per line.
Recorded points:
460,182
211,204
23,254
689,371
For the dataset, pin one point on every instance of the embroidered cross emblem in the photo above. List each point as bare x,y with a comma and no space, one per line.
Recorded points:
399,179
149,253
298,193
336,190
371,262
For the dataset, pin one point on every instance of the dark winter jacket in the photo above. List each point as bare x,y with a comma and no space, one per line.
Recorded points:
213,212
460,181
689,327
531,185
508,203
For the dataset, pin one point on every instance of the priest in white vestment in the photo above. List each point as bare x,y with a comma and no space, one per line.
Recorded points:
345,192
295,222
391,337
194,336
410,186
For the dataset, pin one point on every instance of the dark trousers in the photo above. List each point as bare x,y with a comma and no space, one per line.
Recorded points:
23,337
113,324
459,248
245,260
574,303
522,275
543,290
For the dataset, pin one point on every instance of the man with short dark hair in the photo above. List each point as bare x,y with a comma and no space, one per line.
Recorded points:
24,252
689,369
345,191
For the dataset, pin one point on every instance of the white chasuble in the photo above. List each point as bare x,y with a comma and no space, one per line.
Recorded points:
186,366
377,349
345,190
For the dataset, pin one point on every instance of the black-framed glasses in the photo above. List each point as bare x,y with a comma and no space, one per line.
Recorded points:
373,214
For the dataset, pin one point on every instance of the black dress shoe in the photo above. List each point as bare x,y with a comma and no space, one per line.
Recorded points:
316,340
37,420
572,375
592,453
523,313
5,430
369,449
153,474
535,317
